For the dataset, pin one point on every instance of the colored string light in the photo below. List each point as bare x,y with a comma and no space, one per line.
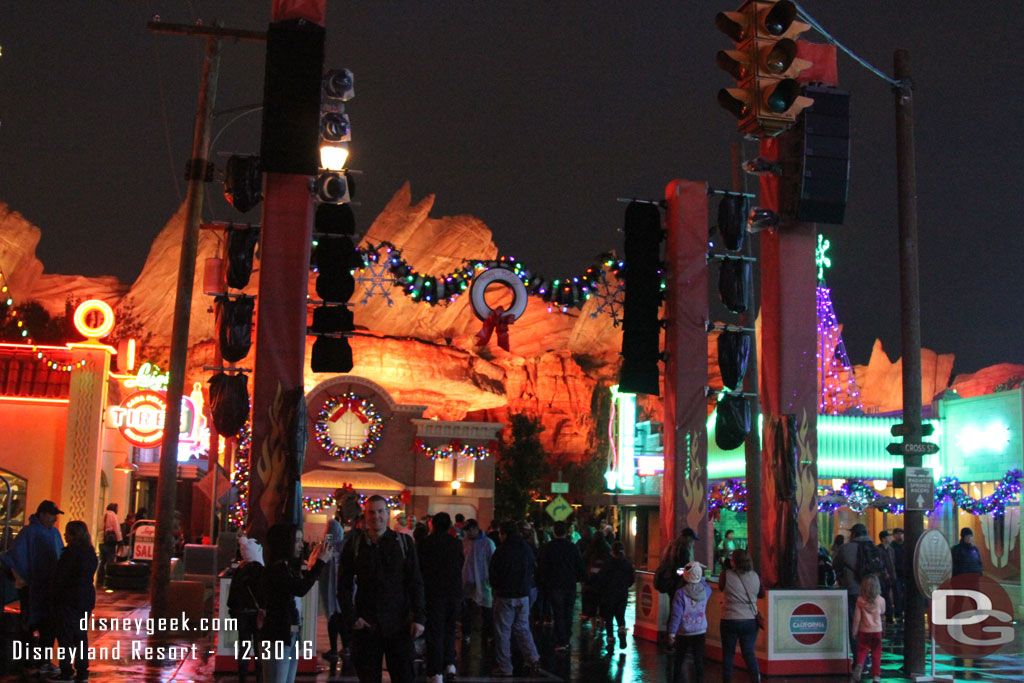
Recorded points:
239,511
363,410
327,503
563,293
25,335
454,448
859,496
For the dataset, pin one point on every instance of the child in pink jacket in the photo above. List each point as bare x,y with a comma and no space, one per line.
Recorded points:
867,627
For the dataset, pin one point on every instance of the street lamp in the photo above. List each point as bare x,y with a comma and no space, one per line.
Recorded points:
456,485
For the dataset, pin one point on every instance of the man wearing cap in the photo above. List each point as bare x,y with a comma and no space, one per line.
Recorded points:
33,560
966,558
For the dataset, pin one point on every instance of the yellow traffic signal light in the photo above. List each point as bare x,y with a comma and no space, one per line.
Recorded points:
764,65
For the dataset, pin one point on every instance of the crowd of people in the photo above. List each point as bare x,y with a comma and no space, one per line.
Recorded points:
394,594
383,588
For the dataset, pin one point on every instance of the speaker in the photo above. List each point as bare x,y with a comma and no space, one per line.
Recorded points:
291,98
816,162
641,329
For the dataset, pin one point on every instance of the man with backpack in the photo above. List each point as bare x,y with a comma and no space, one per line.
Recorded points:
855,560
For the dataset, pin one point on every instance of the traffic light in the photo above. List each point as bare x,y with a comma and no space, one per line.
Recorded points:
335,254
243,182
641,328
764,64
335,257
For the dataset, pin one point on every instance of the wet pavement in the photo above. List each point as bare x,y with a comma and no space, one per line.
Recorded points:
590,659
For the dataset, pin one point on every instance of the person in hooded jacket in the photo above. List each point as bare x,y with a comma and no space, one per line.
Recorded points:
613,582
334,536
688,621
75,598
245,602
598,554
283,581
441,565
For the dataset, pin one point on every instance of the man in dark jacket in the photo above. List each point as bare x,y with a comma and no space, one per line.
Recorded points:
387,613
966,558
846,570
897,551
33,560
559,569
888,581
511,574
441,563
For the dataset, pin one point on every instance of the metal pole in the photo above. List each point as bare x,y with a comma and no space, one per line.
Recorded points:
752,444
167,483
910,313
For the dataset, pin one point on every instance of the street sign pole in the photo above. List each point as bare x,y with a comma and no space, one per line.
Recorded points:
910,314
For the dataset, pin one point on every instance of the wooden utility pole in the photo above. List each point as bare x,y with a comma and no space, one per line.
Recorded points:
910,315
197,174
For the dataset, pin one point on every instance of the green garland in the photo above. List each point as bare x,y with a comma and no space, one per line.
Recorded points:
562,293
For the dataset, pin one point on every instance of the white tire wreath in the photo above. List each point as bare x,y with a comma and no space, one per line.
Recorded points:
502,276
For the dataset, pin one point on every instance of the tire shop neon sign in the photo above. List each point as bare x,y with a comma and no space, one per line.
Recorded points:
140,420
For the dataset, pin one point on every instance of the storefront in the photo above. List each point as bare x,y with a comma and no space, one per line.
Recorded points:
980,447
363,443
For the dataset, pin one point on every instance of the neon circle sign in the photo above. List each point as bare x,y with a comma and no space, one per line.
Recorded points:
100,330
140,418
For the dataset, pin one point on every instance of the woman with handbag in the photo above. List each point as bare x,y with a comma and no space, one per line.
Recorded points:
740,587
111,539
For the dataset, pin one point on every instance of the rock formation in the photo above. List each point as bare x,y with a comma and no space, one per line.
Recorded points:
423,354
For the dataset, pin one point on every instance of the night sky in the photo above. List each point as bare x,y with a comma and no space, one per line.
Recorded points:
535,117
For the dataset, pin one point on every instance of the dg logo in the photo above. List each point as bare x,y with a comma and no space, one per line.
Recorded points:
971,616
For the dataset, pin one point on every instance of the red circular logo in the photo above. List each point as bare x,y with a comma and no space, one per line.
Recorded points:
971,616
646,600
808,623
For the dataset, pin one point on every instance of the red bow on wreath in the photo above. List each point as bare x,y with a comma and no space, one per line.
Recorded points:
345,404
498,321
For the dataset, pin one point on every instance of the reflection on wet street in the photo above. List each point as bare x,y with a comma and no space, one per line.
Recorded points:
591,658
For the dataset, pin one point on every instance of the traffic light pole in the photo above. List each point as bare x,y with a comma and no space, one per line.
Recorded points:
910,314
168,480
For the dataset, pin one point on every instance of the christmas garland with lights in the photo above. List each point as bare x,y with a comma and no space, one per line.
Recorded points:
1007,488
454,448
562,293
731,494
239,510
328,503
361,407
7,300
857,495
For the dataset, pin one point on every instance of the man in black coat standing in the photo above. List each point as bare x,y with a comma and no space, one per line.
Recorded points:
897,549
559,568
511,573
387,612
966,558
441,563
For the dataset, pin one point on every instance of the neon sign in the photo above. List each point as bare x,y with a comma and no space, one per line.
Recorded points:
148,377
141,419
